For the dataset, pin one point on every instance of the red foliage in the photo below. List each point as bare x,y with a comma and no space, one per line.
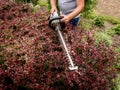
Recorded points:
31,56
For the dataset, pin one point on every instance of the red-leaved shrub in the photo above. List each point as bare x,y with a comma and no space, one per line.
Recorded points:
31,57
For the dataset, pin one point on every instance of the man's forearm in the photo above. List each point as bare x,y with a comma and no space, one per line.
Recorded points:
80,6
53,3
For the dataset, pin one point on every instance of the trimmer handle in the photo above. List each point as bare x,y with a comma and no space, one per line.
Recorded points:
53,24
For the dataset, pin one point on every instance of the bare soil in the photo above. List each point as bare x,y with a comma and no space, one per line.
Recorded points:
110,8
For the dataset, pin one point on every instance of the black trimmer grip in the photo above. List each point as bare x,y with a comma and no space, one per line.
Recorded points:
62,24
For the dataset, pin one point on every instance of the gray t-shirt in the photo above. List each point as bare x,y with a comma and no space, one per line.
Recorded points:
67,6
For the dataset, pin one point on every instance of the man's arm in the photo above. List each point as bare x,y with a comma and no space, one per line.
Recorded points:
80,6
53,6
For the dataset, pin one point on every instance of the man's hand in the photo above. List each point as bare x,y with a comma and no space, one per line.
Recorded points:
53,5
54,9
65,19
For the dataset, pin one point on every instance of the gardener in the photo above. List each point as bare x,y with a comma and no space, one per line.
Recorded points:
69,10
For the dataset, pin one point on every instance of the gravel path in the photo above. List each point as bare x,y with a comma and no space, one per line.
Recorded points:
109,7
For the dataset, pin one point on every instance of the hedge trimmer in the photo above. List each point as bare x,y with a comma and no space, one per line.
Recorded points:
56,25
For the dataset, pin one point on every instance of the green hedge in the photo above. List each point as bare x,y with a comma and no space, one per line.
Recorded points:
90,5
